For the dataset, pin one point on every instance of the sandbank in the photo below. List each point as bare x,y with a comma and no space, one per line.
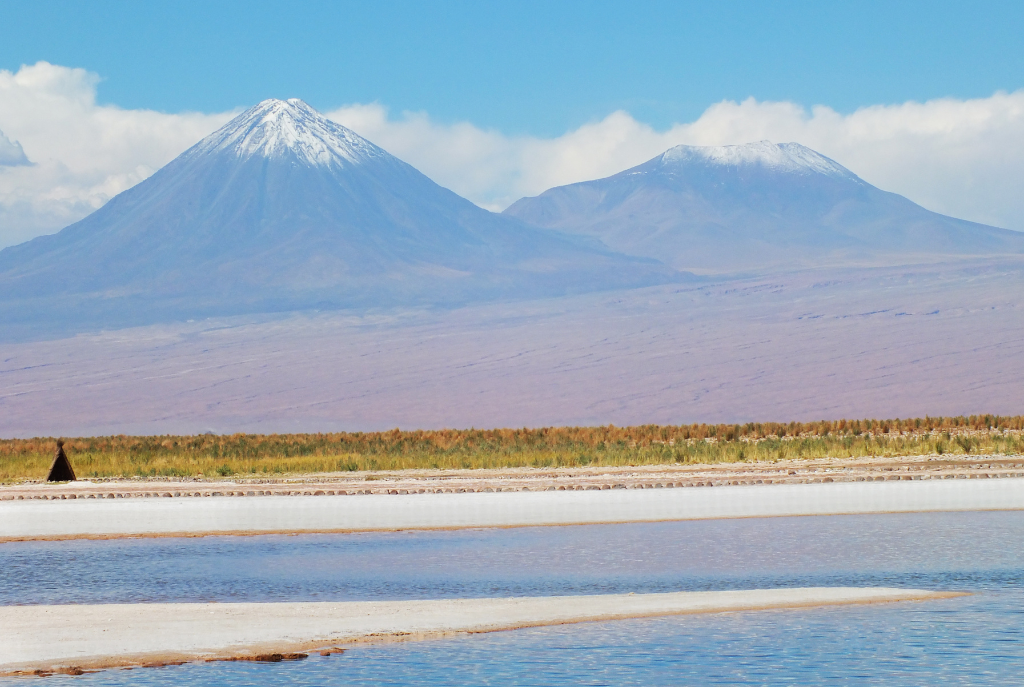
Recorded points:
52,638
107,518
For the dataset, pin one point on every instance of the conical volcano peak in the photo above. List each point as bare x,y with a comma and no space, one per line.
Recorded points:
782,157
276,128
756,207
282,209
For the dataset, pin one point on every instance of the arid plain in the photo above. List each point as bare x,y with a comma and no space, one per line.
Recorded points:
939,339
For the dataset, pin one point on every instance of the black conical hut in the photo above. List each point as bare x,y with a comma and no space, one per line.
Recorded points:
61,470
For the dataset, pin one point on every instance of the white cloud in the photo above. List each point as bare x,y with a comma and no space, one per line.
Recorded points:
494,170
960,157
83,154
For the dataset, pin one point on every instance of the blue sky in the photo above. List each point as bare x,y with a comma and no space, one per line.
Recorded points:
538,68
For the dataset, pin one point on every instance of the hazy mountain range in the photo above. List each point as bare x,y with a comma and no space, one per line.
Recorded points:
282,209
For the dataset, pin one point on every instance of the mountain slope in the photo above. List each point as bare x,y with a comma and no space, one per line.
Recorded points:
283,209
756,206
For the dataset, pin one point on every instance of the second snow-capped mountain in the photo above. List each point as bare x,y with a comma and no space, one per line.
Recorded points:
282,209
758,206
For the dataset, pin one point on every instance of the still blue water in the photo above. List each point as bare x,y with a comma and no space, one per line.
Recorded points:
971,640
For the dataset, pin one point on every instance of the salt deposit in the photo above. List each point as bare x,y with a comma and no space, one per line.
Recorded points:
96,636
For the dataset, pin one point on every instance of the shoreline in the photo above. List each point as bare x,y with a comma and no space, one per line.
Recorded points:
75,638
26,520
398,482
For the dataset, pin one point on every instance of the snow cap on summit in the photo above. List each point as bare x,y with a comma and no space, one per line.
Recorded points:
783,157
274,128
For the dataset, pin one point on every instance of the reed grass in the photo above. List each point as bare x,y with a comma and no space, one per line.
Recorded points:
257,455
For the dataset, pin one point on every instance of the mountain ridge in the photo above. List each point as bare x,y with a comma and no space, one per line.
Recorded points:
756,207
282,209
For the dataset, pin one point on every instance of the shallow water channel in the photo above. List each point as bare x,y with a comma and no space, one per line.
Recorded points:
969,640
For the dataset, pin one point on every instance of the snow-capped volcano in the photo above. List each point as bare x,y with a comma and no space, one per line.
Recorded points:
282,209
791,158
277,128
758,206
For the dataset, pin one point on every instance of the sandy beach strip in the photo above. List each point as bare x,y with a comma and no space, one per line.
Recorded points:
55,638
105,518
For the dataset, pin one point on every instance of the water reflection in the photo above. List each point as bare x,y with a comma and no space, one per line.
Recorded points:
927,549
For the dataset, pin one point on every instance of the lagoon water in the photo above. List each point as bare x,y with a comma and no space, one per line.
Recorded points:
969,640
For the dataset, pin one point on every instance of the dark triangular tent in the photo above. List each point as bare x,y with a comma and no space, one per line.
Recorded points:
61,470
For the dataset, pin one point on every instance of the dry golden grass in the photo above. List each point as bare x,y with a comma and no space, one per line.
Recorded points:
280,454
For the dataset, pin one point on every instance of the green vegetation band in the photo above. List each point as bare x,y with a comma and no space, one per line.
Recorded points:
276,454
